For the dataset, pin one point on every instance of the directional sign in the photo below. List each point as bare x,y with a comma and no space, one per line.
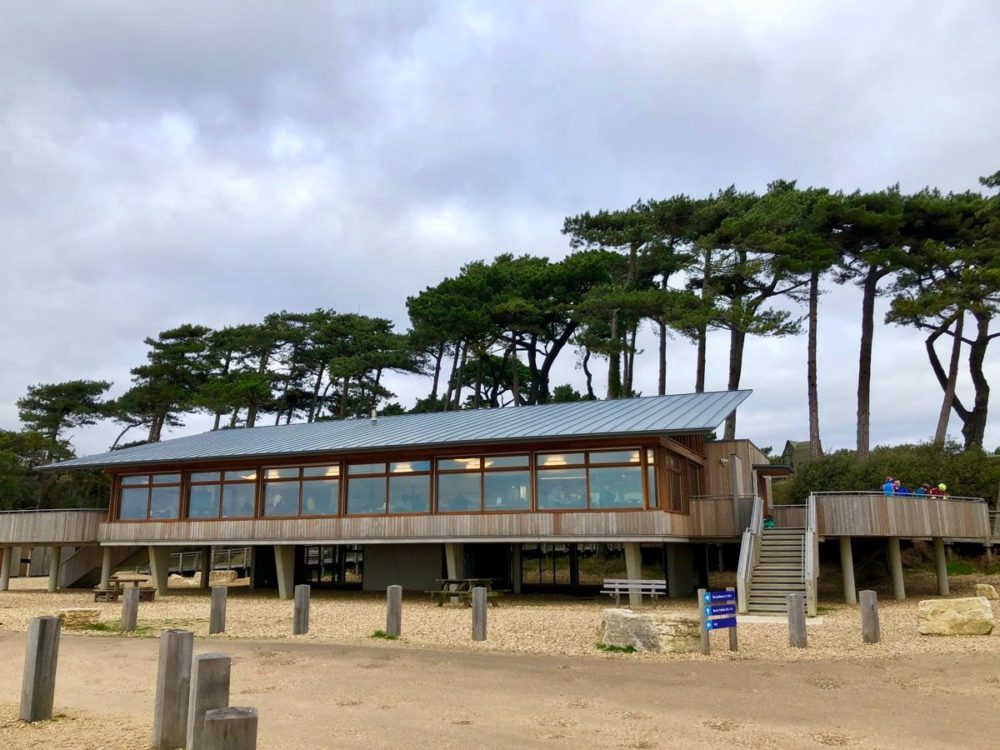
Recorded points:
719,596
720,609
726,622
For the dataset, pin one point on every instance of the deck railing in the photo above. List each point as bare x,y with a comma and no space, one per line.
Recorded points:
55,526
749,554
789,516
720,515
913,516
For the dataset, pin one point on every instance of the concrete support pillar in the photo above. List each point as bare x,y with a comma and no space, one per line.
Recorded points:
15,562
454,559
896,569
106,568
206,567
159,566
847,570
680,570
55,558
633,571
941,565
5,569
284,563
517,570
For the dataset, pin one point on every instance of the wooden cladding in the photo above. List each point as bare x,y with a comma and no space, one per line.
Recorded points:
51,526
878,515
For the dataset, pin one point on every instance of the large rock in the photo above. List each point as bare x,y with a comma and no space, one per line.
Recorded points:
623,628
221,576
970,616
986,590
78,617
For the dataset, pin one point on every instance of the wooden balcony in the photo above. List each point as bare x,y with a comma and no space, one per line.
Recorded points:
55,527
908,516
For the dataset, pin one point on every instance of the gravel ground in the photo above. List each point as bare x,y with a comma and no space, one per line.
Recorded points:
521,624
71,729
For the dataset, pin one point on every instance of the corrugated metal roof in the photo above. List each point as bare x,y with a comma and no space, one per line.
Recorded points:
682,413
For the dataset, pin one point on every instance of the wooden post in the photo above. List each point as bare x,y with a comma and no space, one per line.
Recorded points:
734,641
870,631
217,620
40,658
300,612
797,620
394,611
206,568
130,609
8,554
230,728
941,565
896,569
209,690
479,613
55,558
706,644
173,686
847,570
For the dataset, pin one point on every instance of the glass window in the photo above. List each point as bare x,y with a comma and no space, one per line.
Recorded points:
319,497
133,503
654,499
366,469
205,476
410,494
458,464
459,492
166,478
408,467
559,459
280,498
243,475
506,462
203,501
616,488
615,457
321,471
237,500
366,495
562,488
287,473
135,479
507,490
164,502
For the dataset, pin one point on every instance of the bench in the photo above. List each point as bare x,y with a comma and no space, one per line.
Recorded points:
465,596
617,586
146,594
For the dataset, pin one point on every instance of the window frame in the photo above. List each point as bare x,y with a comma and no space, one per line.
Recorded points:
221,483
387,474
587,464
149,485
482,470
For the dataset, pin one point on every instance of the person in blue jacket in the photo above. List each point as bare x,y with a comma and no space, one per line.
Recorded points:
888,488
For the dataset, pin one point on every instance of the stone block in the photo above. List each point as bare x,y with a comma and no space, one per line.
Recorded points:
986,591
78,617
648,632
220,577
970,616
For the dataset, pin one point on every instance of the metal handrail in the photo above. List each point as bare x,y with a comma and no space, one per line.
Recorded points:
871,493
749,554
56,510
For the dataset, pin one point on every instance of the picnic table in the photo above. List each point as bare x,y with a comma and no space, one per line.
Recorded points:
119,582
461,589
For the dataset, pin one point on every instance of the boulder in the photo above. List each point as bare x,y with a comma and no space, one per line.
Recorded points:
623,628
970,616
986,591
217,577
78,617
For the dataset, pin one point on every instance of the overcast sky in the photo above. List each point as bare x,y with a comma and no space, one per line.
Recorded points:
163,163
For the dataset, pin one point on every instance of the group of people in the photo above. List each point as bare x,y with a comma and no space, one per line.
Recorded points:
896,487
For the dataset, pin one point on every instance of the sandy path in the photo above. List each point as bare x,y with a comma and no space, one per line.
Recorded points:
315,695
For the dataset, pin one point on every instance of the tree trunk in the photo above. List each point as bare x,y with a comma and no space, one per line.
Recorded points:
815,445
478,395
974,428
870,287
121,435
706,296
343,396
589,374
661,383
454,375
614,360
737,341
437,371
941,433
458,384
630,355
515,376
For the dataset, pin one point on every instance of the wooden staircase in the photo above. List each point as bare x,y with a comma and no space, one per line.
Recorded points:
780,570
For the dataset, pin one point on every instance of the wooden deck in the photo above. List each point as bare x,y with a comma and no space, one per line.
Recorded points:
55,527
874,514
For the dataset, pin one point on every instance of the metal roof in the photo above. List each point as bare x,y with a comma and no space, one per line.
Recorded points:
682,413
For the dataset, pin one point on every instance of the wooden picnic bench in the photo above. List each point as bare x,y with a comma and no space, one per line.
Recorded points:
648,587
461,589
119,582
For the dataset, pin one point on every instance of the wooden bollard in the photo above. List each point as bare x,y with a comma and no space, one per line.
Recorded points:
130,609
209,690
870,630
40,659
231,728
479,613
173,687
394,611
217,619
300,611
797,620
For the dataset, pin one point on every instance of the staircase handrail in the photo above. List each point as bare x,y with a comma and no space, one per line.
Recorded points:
749,554
810,556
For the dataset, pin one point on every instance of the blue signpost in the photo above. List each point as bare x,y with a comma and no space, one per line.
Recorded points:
717,610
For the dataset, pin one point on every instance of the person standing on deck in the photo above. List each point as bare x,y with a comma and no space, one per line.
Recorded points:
888,488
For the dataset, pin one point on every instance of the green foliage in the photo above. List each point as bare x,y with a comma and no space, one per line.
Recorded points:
961,568
53,407
615,649
384,636
966,472
23,487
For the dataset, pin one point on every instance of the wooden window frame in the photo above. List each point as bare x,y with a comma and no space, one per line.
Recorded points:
482,470
148,485
221,483
388,474
587,465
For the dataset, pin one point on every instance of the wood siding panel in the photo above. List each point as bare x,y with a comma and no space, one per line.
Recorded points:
789,516
878,515
717,475
41,527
